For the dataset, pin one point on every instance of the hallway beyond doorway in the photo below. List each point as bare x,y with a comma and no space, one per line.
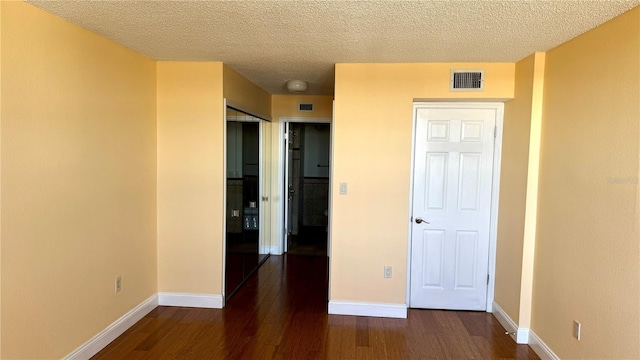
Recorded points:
311,240
306,183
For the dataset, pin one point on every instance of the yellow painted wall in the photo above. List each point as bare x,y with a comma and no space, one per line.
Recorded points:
0,180
78,182
190,177
513,187
287,105
531,208
587,264
518,191
245,95
372,152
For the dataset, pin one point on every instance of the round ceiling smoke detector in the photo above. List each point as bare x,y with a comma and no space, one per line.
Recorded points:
296,86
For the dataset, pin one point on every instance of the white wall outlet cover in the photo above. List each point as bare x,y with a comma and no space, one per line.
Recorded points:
343,188
388,272
118,284
577,327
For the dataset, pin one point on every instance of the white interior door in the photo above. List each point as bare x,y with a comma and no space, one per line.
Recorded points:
451,207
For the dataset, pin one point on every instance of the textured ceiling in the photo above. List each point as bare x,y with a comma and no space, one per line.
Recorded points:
270,42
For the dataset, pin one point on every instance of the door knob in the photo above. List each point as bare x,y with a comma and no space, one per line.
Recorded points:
420,221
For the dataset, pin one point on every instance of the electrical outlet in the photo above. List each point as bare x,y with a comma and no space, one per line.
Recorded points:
577,327
118,283
387,272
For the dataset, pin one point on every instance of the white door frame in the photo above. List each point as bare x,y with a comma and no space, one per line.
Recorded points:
495,187
224,200
282,174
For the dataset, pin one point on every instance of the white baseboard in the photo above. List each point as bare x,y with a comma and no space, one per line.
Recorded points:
541,348
276,250
520,335
272,250
106,336
209,301
368,309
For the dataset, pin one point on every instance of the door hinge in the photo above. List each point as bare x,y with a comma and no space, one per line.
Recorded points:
286,136
495,132
487,279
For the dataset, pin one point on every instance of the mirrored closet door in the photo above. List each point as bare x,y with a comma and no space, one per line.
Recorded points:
247,207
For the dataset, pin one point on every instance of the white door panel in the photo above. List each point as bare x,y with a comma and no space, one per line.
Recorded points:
452,194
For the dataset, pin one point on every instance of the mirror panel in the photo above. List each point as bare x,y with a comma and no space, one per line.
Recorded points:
246,206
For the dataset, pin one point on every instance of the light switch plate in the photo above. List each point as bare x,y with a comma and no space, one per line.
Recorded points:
343,188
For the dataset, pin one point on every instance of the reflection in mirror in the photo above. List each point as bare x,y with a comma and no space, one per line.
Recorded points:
244,207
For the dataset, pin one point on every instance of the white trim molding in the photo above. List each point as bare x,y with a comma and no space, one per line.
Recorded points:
520,335
245,110
368,309
541,348
111,332
305,119
209,301
275,250
495,203
223,205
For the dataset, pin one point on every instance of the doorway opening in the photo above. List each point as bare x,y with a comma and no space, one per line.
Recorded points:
307,154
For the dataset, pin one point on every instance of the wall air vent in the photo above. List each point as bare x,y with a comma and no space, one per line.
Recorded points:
467,80
305,107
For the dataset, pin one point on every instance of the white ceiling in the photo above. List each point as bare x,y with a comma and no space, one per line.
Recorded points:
270,42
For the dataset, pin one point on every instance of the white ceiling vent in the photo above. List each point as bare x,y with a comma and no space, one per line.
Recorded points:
305,107
467,80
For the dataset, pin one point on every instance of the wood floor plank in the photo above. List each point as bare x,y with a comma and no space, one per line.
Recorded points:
396,343
376,338
281,313
348,343
121,349
362,331
334,337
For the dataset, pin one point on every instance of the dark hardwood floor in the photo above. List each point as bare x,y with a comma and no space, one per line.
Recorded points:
281,313
312,240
